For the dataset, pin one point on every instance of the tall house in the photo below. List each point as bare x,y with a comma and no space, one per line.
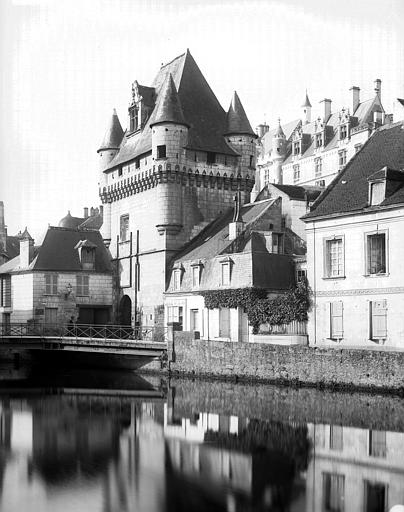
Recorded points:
316,150
173,171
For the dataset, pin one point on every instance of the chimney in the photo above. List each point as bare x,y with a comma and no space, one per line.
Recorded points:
85,213
3,229
355,98
237,226
378,87
91,212
102,210
262,129
327,108
26,251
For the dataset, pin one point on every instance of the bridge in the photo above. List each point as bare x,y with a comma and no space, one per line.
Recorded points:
99,345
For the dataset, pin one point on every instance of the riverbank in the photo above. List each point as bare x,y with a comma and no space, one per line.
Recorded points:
323,367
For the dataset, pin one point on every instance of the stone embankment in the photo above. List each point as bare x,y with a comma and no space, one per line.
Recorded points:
347,368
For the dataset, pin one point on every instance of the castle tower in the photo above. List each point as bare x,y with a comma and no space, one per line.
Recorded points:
169,138
241,136
108,149
278,152
306,107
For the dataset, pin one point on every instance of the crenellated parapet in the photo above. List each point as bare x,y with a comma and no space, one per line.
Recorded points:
181,176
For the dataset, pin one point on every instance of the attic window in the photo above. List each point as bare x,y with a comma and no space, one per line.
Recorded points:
86,254
133,118
319,140
376,192
343,132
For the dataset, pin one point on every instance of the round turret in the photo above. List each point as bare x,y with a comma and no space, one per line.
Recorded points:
278,152
110,145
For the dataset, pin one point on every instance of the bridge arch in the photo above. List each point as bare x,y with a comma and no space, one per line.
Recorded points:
125,310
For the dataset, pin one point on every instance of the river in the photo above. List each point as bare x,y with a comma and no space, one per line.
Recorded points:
88,441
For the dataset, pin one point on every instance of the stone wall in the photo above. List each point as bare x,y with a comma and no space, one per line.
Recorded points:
339,368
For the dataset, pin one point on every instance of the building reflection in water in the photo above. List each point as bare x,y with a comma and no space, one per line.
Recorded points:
109,454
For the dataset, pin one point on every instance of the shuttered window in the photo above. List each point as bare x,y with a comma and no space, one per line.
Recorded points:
336,320
5,291
224,322
378,319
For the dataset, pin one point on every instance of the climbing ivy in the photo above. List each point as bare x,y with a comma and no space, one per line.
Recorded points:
290,306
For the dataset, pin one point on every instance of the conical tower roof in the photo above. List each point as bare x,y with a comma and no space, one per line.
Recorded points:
237,120
279,132
113,134
168,109
306,101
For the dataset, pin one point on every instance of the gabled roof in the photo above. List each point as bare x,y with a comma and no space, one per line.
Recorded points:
58,251
168,108
287,128
202,112
237,121
113,134
349,190
298,192
214,239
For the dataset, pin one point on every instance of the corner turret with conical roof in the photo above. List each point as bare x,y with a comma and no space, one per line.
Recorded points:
278,152
306,110
168,108
239,134
110,143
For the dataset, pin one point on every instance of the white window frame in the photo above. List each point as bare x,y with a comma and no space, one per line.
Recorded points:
196,275
225,277
336,320
367,269
195,325
51,284
124,230
177,279
82,285
327,257
175,314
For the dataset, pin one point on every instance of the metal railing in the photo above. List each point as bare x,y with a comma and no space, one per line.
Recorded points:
88,331
294,327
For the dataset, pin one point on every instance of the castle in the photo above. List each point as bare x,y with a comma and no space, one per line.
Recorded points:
162,181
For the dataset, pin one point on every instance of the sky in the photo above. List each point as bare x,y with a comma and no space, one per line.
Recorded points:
67,63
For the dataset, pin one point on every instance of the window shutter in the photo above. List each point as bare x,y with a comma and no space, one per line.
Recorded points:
337,327
379,319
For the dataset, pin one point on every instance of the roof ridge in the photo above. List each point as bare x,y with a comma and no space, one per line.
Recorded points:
174,59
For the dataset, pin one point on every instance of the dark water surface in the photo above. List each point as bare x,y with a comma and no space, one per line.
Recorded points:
114,442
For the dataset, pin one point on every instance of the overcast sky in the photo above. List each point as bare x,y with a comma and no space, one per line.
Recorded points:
66,64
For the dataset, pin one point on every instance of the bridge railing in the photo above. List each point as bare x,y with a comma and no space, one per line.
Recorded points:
90,331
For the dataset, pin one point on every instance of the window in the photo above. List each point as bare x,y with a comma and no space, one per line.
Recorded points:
210,158
318,166
296,148
377,443
120,171
251,160
336,320
175,315
376,192
5,291
137,163
124,228
334,257
225,274
194,320
87,258
195,276
301,275
224,322
161,151
343,132
376,254
277,243
342,158
319,140
177,279
358,147
51,284
320,183
133,118
336,437
82,286
378,320
296,173
375,497
333,492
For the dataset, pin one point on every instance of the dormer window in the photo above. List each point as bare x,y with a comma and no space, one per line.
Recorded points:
376,192
343,132
86,254
196,269
318,140
296,148
178,271
225,271
133,118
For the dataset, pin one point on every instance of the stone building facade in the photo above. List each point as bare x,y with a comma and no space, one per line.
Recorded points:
172,172
355,247
312,152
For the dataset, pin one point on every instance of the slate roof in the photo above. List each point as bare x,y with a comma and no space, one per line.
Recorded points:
306,101
70,222
214,239
57,252
113,134
202,111
348,192
237,121
287,128
12,246
168,108
299,192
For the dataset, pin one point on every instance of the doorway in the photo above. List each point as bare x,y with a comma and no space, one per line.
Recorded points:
125,311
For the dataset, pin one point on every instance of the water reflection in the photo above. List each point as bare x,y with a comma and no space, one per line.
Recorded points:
113,449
